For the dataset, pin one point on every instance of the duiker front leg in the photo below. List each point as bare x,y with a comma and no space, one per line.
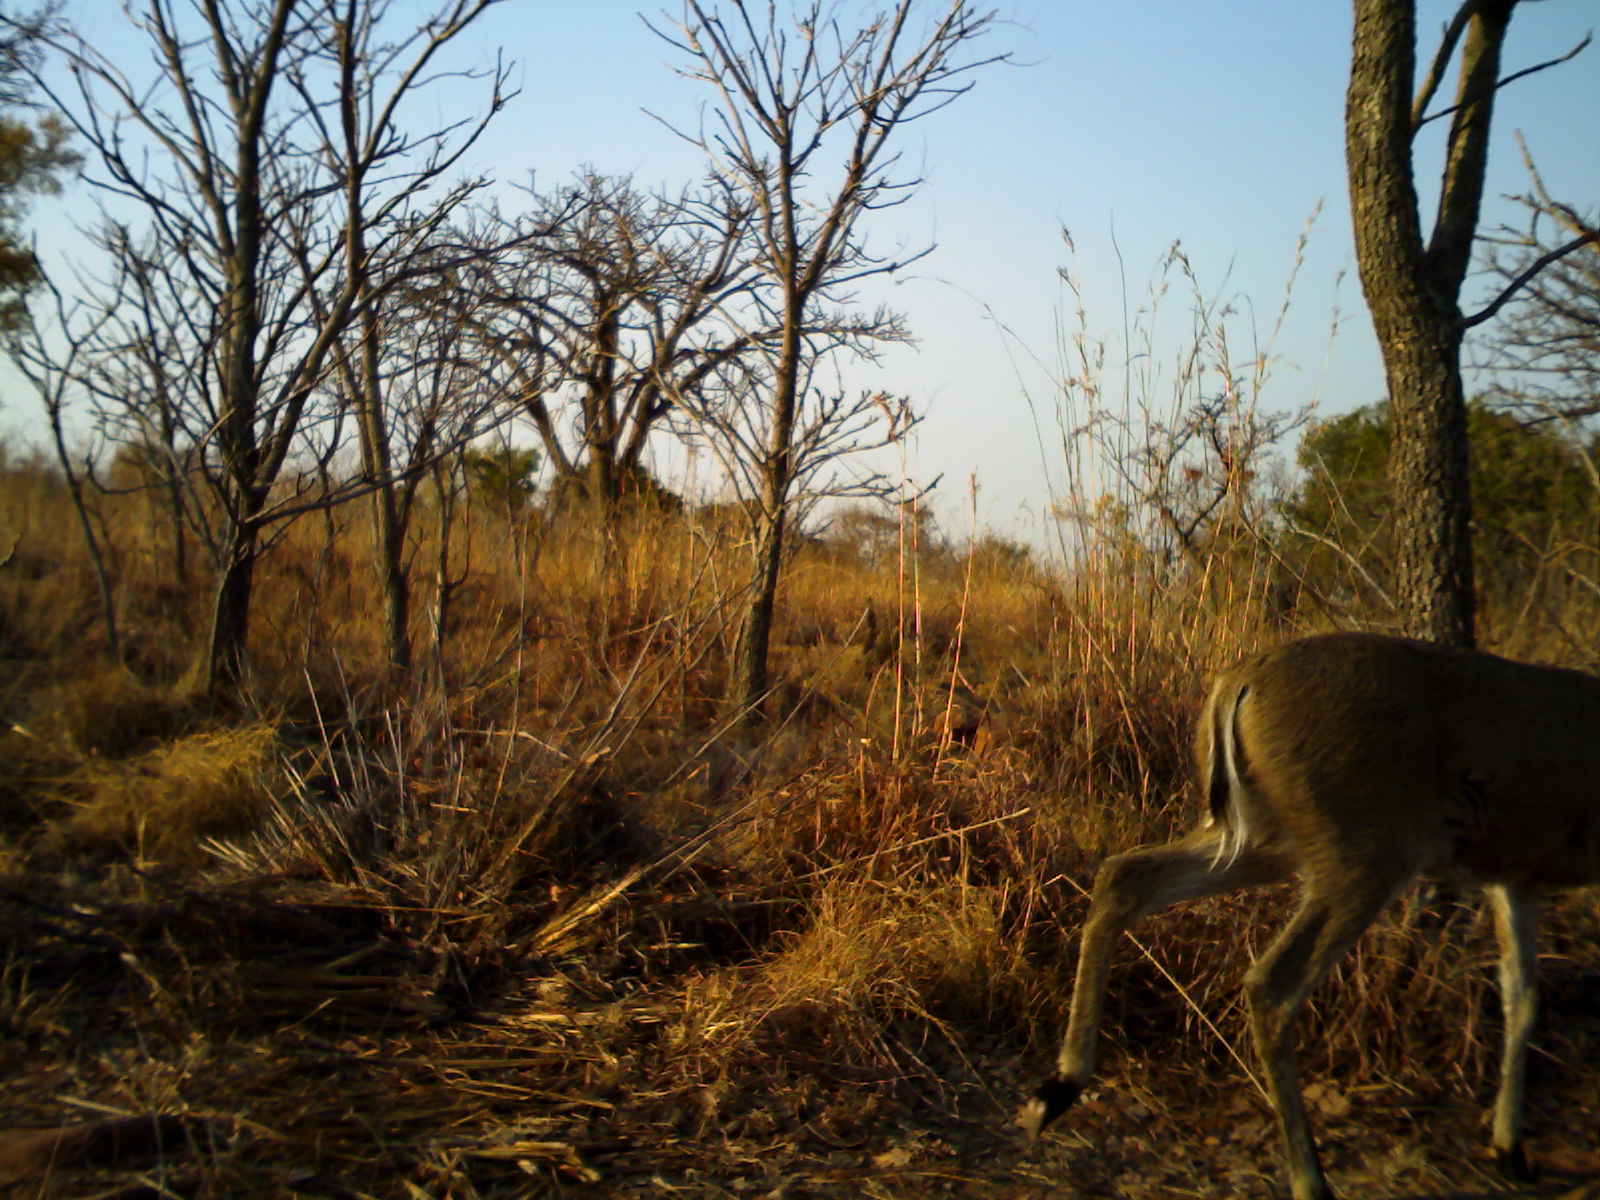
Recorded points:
1128,887
1516,923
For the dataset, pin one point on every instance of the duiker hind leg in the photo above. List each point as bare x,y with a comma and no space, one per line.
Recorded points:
1516,923
1130,886
1332,914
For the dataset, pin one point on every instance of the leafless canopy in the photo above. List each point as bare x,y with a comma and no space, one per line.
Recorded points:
801,133
1545,351
613,306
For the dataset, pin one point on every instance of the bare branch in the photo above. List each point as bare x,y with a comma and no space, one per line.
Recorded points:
1441,59
1526,276
1419,121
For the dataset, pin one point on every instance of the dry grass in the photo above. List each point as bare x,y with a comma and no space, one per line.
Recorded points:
545,914
157,807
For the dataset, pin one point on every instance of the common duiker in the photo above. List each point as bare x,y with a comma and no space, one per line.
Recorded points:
1355,763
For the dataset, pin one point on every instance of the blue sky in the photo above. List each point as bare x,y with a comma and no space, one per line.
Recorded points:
1217,124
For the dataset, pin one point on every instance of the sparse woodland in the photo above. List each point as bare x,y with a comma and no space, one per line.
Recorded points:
403,792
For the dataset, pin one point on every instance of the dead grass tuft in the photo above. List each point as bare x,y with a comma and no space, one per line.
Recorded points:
159,805
108,713
837,997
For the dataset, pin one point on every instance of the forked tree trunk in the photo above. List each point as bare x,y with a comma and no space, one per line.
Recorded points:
1412,290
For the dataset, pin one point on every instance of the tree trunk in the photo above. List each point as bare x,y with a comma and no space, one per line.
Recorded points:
602,486
388,526
755,635
444,585
92,542
755,638
1412,291
1429,481
389,510
223,664
389,540
602,483
180,537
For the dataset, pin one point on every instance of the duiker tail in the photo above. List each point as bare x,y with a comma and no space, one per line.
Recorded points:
1221,768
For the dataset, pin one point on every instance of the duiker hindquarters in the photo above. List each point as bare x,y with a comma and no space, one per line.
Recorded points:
1354,763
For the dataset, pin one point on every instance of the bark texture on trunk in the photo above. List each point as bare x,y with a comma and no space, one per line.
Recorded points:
1428,473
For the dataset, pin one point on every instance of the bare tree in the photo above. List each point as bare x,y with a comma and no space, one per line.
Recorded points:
612,307
389,236
800,99
122,356
27,353
1413,285
419,395
279,194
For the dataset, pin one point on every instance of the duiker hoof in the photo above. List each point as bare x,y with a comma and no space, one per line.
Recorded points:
1514,1164
1054,1097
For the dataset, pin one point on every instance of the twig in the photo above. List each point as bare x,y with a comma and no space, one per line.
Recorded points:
912,845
